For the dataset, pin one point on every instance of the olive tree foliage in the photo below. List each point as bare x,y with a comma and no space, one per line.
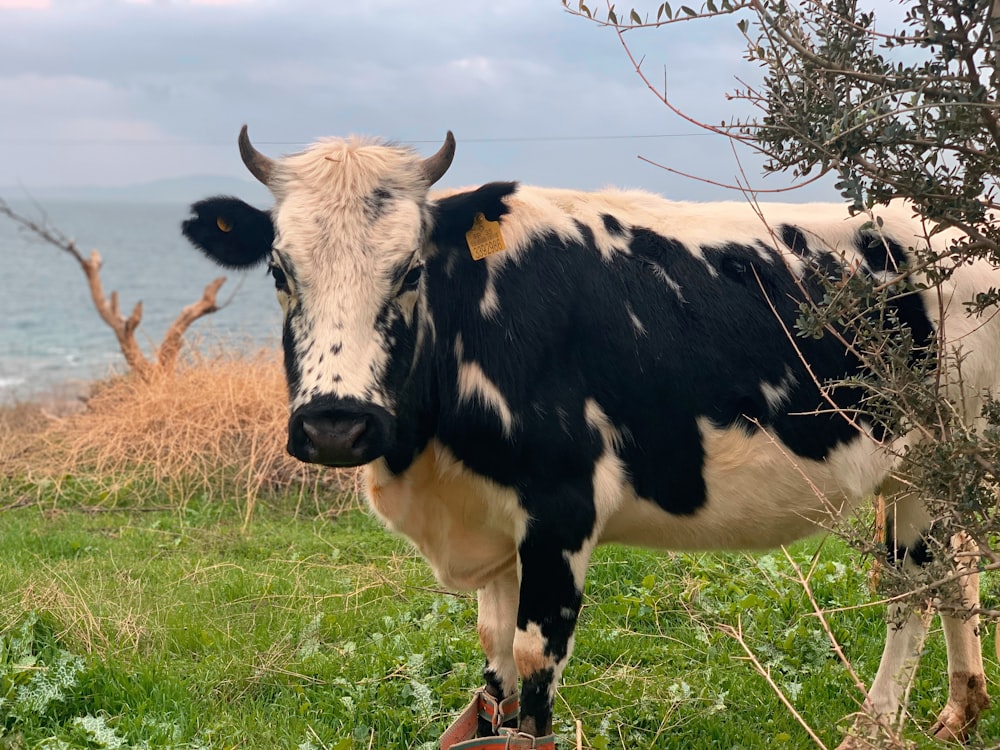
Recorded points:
904,109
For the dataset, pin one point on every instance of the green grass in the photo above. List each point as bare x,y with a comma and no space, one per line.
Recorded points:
173,629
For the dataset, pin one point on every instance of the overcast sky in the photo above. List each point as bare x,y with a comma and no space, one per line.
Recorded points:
112,92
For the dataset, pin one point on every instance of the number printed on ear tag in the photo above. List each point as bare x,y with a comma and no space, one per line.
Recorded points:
484,238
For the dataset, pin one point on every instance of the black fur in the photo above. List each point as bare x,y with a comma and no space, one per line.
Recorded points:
454,215
229,231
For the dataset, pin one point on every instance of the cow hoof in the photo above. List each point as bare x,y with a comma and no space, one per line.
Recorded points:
868,733
958,718
857,742
952,725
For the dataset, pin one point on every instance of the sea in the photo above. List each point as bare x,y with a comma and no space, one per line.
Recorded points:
51,338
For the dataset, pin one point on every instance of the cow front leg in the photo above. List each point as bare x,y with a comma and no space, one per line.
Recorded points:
907,623
551,593
497,621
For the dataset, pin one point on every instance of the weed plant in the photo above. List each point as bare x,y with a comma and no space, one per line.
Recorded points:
215,429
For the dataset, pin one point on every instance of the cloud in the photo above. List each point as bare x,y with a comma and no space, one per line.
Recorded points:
116,90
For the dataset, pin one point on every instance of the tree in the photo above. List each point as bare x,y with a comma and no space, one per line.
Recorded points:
124,328
914,113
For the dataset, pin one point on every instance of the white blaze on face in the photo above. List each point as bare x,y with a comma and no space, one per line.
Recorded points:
350,220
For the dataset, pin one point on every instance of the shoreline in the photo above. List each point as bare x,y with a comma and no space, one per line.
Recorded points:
61,399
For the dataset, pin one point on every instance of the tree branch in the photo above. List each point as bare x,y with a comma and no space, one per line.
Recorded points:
109,310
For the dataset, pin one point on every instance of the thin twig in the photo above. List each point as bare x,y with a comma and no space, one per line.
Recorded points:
737,634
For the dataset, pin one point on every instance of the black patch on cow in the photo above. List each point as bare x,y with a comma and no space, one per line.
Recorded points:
880,253
884,255
453,216
293,373
536,708
612,226
375,202
896,552
794,239
738,262
229,231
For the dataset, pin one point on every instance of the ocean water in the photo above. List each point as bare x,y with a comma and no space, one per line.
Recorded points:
50,332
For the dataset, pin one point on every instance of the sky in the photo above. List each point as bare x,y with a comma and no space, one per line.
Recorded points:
123,92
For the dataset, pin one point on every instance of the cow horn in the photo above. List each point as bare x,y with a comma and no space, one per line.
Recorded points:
435,166
259,165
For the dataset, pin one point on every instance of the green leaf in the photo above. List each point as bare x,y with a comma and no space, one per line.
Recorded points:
635,17
689,11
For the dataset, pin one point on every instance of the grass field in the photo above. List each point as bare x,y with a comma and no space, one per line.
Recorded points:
169,578
184,628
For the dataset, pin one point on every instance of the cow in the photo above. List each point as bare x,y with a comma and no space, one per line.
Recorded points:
528,372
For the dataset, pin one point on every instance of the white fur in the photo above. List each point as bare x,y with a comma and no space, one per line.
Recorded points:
465,525
496,625
342,259
474,385
776,394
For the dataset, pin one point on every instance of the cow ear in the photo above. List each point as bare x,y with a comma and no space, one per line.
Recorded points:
454,215
232,233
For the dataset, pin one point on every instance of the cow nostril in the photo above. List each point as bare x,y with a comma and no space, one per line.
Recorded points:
321,431
336,437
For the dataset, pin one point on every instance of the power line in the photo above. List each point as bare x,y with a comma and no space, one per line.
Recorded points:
485,139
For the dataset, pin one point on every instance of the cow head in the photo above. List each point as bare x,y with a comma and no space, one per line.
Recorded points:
345,244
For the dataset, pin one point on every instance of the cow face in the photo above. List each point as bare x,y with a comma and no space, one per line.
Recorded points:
350,224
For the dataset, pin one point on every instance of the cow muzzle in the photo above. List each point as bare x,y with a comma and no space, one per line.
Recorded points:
338,433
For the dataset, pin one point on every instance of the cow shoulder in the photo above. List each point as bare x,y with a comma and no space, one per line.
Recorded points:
230,232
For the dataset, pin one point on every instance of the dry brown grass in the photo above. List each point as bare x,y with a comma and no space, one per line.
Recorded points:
215,428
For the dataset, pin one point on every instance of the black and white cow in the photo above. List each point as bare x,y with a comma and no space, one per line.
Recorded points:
610,370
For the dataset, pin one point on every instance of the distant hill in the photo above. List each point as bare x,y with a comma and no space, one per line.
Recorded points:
172,190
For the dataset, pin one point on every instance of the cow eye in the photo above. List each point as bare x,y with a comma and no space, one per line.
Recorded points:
280,281
412,278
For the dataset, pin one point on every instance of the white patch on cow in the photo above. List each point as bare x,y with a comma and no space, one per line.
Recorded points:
597,420
497,621
536,212
608,482
489,305
777,394
426,331
637,324
660,273
475,386
530,647
759,494
530,656
609,477
465,525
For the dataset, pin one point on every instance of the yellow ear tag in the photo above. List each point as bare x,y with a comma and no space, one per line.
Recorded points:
484,238
222,224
